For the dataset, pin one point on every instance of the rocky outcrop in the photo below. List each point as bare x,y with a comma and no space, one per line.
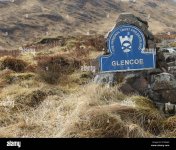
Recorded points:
159,87
166,59
163,88
106,78
158,84
128,18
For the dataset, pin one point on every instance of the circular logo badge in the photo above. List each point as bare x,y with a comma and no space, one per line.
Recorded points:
126,39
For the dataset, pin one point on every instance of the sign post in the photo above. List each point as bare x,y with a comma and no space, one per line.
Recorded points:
127,51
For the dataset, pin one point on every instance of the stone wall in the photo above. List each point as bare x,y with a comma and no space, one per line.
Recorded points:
158,84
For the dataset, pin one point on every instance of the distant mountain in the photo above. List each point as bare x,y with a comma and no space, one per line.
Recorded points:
25,21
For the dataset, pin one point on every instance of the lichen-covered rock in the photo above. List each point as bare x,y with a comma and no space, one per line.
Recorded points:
163,89
127,89
128,18
166,59
106,78
134,83
164,81
167,108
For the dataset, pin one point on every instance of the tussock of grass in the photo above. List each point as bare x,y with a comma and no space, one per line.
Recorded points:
100,125
51,68
89,109
22,97
170,124
168,134
12,63
173,44
32,99
143,102
31,68
3,75
135,131
76,79
18,77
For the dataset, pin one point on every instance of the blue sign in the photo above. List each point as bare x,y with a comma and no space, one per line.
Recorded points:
127,48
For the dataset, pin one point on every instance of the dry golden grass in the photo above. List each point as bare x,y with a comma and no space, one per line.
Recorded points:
173,44
170,124
75,107
91,116
91,112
